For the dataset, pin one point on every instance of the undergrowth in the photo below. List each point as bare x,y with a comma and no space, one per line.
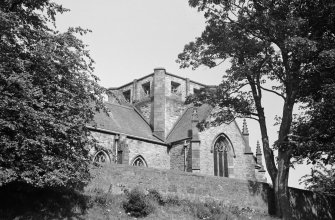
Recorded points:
26,202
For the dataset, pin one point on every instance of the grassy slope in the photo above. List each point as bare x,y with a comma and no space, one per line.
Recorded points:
110,207
24,202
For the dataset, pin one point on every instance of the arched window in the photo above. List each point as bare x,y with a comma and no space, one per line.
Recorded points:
223,156
101,157
139,162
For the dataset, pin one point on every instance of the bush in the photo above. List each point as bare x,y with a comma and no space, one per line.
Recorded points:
201,211
214,207
138,204
99,197
156,196
173,200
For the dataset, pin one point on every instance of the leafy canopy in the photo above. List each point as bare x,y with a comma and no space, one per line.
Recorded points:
47,95
276,46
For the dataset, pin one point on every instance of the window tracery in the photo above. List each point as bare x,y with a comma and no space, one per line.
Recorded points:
139,162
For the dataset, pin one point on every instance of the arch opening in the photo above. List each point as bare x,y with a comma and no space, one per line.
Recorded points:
139,161
223,154
101,157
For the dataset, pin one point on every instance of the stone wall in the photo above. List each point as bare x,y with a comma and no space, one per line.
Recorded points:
181,157
145,108
242,193
107,142
173,110
192,186
155,155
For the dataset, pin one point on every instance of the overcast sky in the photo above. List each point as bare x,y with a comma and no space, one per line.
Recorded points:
131,37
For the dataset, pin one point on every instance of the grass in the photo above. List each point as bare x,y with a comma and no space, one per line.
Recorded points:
25,202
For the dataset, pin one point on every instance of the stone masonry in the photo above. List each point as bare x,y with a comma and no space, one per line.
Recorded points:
159,99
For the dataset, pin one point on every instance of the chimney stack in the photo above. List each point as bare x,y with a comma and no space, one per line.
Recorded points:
159,103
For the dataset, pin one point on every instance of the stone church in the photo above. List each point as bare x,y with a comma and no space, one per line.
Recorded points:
148,124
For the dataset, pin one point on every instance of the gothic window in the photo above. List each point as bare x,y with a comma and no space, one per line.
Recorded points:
139,162
101,157
223,157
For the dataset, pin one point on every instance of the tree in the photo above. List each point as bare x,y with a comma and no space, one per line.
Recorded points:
276,43
321,179
47,95
314,132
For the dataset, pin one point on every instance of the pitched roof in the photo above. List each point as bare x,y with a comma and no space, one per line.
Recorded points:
125,120
183,128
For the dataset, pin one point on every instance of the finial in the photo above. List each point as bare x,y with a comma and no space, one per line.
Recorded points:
258,149
245,128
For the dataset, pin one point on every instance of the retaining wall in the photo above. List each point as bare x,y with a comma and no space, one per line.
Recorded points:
258,196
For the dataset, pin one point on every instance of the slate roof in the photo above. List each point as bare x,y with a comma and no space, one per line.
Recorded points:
183,128
123,119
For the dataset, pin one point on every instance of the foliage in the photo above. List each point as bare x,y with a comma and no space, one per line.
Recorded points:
274,46
156,196
321,179
48,93
26,202
23,201
315,130
138,204
173,200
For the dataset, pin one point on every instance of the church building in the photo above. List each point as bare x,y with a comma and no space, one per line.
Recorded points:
149,124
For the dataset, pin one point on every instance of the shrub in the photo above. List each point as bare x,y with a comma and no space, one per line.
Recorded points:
138,204
155,196
201,211
98,197
214,207
173,200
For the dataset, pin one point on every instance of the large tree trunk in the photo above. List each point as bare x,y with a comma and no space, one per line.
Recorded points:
279,176
283,207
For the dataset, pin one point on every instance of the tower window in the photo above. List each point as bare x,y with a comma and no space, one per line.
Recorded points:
175,88
126,95
146,88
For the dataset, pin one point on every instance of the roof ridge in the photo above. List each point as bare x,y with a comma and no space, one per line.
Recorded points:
176,123
127,134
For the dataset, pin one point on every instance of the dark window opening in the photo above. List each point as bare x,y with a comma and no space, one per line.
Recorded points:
119,157
146,88
126,95
175,88
196,91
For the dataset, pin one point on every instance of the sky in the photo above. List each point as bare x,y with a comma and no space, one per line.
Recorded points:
132,37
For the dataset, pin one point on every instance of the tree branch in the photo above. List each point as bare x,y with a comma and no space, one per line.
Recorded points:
277,93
